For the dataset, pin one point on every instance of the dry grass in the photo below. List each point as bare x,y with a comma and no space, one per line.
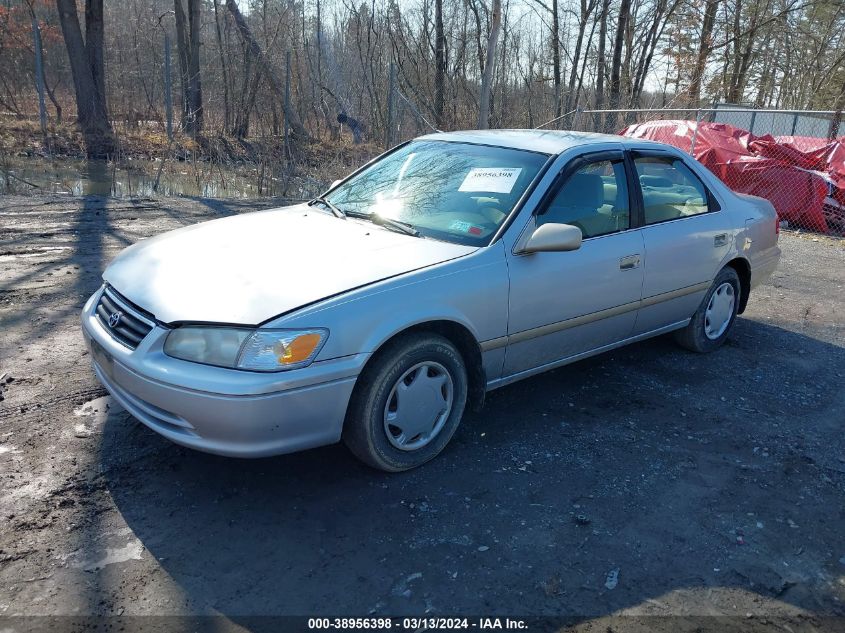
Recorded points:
321,159
22,137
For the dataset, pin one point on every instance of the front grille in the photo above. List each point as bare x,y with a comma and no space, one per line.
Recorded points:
126,323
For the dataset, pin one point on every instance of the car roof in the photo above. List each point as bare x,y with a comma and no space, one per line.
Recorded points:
545,141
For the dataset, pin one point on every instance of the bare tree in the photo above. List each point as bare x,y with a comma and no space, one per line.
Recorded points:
586,10
554,57
616,64
223,66
704,48
554,15
88,70
661,15
439,65
278,87
601,70
556,70
188,45
489,65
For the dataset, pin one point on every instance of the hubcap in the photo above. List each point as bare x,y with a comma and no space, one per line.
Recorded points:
719,311
418,406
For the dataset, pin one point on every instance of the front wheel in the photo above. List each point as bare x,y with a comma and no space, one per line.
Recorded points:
407,404
711,323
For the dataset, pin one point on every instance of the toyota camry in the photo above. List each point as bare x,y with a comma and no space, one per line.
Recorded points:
454,264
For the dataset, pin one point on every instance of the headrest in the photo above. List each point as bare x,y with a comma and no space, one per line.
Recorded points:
585,191
655,181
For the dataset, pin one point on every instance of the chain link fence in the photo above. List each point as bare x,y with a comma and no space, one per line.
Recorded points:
795,159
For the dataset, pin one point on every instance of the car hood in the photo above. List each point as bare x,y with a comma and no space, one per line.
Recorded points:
249,268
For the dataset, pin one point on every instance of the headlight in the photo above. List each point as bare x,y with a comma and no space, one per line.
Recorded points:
255,350
273,350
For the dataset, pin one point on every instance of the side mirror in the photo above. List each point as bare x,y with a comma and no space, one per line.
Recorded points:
335,184
554,238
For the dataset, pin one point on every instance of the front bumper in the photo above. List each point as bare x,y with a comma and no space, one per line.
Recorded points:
217,410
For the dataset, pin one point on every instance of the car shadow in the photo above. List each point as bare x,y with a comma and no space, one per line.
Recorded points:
613,483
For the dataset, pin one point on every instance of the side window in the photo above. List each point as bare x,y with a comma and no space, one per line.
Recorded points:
670,189
594,198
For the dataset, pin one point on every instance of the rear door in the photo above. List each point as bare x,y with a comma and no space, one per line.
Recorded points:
567,303
686,238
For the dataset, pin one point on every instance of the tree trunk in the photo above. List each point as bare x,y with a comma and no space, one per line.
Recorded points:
601,63
503,81
731,87
241,95
704,47
769,56
194,26
573,74
94,48
625,79
227,117
278,87
56,104
88,71
248,104
663,13
489,65
836,120
575,100
618,42
556,72
188,45
439,65
478,46
248,94
182,52
746,56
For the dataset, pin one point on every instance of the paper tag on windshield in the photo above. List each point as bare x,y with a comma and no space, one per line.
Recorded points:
491,179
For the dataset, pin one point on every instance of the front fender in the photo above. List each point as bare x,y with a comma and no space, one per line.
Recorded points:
471,291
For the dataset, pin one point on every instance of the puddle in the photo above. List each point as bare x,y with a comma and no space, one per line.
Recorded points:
94,414
46,250
149,178
98,407
107,548
133,550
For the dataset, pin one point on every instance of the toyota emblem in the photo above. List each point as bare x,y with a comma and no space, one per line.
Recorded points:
114,319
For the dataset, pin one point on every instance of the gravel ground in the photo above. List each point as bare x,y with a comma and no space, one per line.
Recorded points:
646,481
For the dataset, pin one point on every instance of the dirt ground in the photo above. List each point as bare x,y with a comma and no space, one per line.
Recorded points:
644,482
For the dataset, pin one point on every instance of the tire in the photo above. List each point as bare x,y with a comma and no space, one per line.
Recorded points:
434,383
704,334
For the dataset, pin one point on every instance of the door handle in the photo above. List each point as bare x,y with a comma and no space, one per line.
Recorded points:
720,240
629,262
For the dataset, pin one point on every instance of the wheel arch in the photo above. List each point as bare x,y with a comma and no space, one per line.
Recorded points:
743,271
465,342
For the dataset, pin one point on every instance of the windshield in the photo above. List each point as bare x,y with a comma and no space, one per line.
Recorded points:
456,192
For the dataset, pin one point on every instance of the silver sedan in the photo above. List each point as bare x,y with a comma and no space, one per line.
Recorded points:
451,265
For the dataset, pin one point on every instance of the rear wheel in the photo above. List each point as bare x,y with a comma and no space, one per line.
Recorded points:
711,323
407,404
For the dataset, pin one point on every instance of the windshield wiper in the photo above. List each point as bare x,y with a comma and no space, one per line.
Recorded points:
396,225
380,220
331,207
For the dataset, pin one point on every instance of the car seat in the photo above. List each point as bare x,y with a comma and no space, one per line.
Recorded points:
582,203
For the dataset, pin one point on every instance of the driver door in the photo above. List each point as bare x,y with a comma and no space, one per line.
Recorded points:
562,304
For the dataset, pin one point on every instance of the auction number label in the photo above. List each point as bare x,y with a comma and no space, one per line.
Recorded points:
349,623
